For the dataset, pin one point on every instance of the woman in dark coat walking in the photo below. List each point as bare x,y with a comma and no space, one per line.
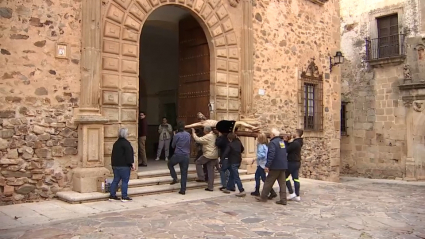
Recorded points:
122,161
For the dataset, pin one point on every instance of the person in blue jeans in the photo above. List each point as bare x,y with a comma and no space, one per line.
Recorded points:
233,154
122,162
222,142
181,156
260,174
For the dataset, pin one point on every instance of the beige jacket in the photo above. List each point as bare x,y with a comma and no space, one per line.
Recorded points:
208,145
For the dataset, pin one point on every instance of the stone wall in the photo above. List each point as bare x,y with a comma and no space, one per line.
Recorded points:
375,144
38,93
288,34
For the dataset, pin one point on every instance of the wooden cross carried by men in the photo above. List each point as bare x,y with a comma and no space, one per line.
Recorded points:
226,126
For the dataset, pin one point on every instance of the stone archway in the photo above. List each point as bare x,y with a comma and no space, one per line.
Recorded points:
122,24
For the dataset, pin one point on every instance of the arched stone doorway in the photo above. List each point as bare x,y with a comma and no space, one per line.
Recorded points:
122,25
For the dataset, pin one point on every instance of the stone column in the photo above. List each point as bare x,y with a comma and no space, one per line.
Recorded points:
91,57
89,119
247,84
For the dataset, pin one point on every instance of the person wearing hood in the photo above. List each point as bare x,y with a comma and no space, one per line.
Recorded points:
294,163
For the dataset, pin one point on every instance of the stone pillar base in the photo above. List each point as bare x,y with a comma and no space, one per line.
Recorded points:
84,180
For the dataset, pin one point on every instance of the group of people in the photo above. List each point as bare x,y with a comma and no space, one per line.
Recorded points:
277,160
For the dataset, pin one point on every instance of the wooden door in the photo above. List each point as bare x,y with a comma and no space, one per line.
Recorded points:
194,73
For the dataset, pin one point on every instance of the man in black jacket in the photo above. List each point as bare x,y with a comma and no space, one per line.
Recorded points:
233,156
294,163
122,162
276,166
222,142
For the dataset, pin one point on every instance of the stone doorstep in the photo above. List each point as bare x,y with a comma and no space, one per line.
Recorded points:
163,172
75,197
157,179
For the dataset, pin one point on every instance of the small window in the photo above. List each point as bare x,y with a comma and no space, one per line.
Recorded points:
311,95
344,118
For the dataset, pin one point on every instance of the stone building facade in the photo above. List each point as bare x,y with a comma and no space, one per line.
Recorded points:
65,64
383,86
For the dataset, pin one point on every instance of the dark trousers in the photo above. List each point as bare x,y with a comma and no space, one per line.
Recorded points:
120,174
234,174
260,174
227,180
293,170
183,162
210,168
271,178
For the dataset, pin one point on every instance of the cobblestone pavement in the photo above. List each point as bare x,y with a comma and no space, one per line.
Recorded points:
356,208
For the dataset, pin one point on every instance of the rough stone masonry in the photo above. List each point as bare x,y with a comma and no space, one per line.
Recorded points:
39,93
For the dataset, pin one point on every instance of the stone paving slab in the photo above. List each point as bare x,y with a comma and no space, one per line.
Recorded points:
362,209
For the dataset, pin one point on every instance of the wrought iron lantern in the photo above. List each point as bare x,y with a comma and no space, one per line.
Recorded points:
337,59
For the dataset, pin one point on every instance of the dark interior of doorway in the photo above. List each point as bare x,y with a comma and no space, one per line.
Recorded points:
174,75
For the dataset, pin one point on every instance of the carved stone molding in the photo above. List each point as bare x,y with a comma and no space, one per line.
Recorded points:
319,2
418,105
234,3
247,63
312,72
407,74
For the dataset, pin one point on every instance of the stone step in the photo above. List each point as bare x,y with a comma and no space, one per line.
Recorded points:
75,197
163,172
158,179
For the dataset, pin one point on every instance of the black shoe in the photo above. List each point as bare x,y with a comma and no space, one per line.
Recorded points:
209,190
222,188
143,165
232,190
174,181
182,193
272,195
280,202
255,194
112,198
200,181
126,199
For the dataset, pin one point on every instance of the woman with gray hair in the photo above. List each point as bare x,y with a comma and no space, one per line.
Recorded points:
122,161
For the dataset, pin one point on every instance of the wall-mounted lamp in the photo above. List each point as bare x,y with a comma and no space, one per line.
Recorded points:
337,59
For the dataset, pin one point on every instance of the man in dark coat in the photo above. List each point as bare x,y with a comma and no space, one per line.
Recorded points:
122,162
294,163
276,166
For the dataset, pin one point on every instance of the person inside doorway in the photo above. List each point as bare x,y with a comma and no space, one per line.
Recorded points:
181,145
143,131
164,130
209,156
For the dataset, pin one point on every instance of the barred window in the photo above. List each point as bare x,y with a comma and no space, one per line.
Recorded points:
344,118
312,98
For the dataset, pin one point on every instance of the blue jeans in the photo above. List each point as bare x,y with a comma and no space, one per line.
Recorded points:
225,176
259,174
120,174
183,162
234,173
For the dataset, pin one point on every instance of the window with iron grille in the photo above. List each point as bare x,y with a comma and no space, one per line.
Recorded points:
388,36
344,118
311,102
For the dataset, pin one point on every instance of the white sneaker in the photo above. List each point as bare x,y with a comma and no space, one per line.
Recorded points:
291,196
157,159
298,199
166,159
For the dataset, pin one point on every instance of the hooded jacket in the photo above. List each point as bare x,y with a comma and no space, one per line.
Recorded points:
294,150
